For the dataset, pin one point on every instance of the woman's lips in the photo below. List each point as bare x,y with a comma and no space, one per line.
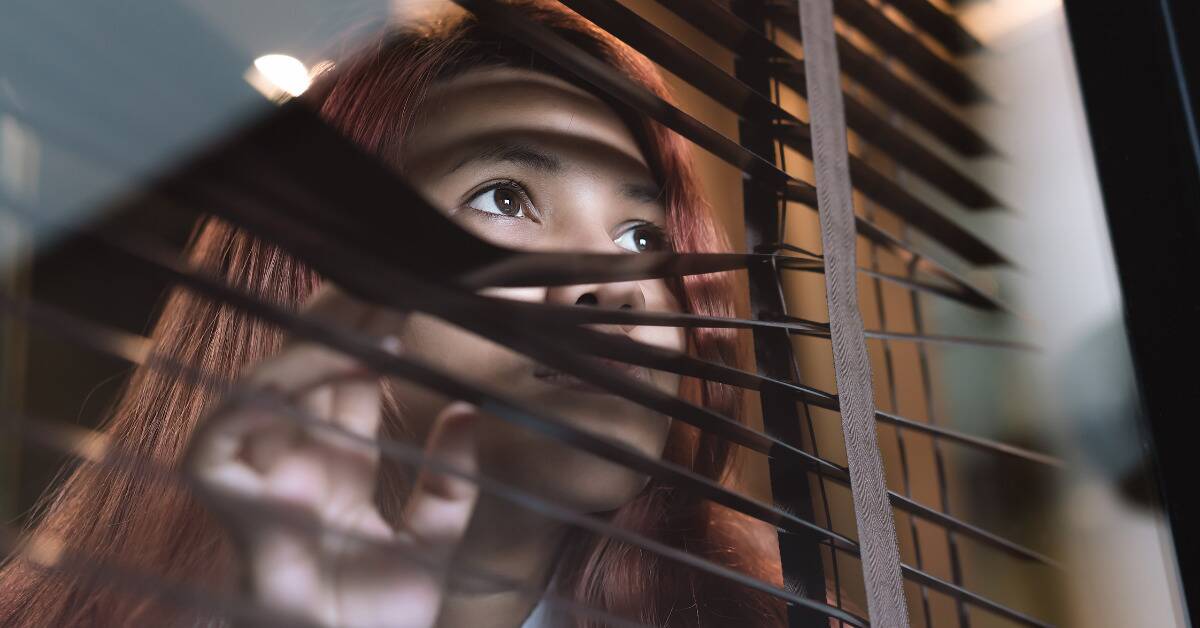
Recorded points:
558,378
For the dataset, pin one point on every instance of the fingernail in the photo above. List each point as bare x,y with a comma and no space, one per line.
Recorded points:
391,344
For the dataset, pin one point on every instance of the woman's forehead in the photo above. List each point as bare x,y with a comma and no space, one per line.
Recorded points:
487,105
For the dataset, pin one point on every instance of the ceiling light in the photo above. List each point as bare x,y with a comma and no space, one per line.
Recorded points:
284,72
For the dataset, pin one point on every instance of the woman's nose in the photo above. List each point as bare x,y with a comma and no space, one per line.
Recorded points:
625,295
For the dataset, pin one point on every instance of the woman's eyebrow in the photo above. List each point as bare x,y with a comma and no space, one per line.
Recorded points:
642,192
522,154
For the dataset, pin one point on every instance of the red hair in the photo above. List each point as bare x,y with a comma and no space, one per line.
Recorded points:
128,517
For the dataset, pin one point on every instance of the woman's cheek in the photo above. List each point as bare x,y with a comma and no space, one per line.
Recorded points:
455,350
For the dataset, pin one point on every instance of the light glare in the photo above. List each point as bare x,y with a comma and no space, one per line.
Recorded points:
285,72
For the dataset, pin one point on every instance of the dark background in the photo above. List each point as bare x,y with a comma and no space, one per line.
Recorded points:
1139,65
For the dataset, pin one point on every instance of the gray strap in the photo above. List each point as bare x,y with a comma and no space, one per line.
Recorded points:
852,365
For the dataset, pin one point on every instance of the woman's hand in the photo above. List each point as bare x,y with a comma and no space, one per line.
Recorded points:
299,499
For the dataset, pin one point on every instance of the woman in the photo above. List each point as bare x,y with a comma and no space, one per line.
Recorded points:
521,155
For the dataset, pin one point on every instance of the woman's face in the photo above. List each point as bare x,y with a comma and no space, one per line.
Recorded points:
528,161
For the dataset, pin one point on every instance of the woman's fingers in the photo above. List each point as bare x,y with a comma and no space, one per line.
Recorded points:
343,582
296,450
440,507
273,434
285,571
325,384
216,452
303,371
343,444
289,395
302,365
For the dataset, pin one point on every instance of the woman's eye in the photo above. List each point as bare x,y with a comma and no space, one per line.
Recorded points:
500,200
641,238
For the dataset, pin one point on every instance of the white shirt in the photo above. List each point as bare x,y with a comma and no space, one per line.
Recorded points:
539,618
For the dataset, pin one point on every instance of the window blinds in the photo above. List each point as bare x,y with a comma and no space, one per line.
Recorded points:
322,200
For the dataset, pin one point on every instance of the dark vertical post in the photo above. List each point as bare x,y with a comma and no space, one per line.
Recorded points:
851,363
19,164
1145,136
800,555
